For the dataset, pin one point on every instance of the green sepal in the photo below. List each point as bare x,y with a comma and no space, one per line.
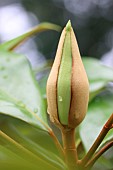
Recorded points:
64,79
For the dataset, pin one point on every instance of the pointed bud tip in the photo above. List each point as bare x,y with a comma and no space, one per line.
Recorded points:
68,26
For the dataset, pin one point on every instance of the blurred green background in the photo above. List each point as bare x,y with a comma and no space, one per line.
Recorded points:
92,21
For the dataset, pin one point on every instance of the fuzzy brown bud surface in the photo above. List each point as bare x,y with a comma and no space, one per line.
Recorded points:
67,85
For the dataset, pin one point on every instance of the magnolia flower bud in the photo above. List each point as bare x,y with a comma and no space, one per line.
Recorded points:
67,85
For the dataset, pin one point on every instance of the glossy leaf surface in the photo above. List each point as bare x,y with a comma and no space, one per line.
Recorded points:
19,92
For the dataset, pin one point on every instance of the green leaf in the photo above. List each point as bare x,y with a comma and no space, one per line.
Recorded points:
12,44
99,111
10,160
42,83
43,73
19,92
32,139
6,154
98,74
17,148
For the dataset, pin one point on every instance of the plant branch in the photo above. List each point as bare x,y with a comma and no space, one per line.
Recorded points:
51,133
12,44
70,151
98,154
103,133
58,145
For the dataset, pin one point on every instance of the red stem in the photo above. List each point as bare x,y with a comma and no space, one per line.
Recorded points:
103,133
98,154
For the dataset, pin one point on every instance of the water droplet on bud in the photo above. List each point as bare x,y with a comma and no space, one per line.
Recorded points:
60,98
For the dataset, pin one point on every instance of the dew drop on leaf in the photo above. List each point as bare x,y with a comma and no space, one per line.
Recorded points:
21,104
2,68
60,98
35,110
